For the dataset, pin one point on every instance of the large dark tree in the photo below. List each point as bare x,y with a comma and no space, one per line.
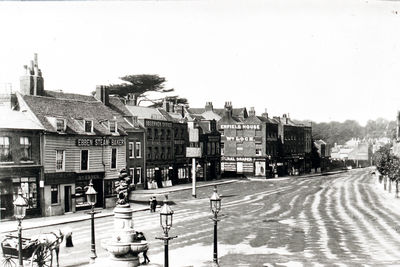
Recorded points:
174,99
138,86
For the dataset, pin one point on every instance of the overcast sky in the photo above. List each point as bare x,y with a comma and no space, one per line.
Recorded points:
315,59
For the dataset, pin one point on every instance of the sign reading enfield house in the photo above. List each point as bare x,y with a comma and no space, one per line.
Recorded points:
241,126
100,142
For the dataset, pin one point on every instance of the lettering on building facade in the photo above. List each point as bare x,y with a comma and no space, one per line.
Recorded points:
153,123
244,159
241,126
100,142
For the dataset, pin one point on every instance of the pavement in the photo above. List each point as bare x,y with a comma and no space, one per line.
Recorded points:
139,202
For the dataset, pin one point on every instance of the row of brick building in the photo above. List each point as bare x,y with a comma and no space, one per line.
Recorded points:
53,143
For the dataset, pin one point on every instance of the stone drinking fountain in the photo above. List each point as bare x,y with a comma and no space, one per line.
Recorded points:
124,246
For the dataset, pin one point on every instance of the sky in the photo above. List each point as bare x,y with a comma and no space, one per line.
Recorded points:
317,60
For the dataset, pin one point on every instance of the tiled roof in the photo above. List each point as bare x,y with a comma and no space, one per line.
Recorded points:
210,115
118,105
73,110
69,96
145,112
236,112
267,120
10,119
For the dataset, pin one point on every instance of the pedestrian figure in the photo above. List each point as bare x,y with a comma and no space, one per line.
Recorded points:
140,236
154,204
151,204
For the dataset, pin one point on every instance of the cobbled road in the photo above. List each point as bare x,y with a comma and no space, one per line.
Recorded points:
338,220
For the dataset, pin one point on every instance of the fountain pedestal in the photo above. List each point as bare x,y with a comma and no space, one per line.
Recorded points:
124,246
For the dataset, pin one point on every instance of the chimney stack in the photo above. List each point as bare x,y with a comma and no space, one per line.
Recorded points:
228,108
102,94
209,106
131,100
31,82
252,112
166,105
265,114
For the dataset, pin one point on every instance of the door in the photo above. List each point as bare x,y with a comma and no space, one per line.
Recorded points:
239,167
67,198
260,168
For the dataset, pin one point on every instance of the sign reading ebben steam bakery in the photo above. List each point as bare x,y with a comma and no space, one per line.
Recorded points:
100,142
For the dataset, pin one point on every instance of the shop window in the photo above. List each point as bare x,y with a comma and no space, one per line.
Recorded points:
29,190
222,148
113,158
88,126
208,148
84,160
213,148
217,148
54,194
60,160
138,149
5,152
131,150
149,134
25,143
110,188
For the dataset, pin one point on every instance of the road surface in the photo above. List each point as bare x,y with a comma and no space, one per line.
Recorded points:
337,220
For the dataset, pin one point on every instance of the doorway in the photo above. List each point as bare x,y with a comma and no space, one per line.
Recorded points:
67,198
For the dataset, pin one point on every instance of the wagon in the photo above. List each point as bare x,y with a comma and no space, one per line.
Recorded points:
37,254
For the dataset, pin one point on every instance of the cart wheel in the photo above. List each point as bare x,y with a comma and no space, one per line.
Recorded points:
42,256
8,262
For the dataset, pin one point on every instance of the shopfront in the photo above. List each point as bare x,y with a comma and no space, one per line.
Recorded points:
81,184
28,182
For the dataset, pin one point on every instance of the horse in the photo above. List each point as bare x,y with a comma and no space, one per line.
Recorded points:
54,239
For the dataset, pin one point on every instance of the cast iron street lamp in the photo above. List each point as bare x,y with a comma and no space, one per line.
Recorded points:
91,197
166,214
215,205
20,205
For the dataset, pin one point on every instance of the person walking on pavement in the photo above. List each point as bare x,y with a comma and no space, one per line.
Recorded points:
140,236
151,204
154,204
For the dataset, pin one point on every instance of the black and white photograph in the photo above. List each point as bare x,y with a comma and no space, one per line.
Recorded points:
199,133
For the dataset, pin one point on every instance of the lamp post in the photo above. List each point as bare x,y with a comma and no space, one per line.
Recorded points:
166,214
215,205
20,205
91,197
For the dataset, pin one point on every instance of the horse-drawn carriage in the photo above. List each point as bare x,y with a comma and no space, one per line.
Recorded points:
38,251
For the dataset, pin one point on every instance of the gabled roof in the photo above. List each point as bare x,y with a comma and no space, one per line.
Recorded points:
252,119
210,115
73,110
11,119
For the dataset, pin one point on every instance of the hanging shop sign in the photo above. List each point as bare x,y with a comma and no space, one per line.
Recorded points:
100,142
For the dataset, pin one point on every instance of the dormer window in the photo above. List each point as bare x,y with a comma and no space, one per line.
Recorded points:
88,126
60,124
113,126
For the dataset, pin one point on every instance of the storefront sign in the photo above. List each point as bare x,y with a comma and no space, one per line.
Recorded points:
213,138
100,142
153,123
193,152
89,176
244,159
241,126
240,138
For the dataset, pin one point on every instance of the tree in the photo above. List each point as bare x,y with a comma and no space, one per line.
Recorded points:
382,159
138,87
174,99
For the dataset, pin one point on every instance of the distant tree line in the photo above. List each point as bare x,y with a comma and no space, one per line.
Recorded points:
341,132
